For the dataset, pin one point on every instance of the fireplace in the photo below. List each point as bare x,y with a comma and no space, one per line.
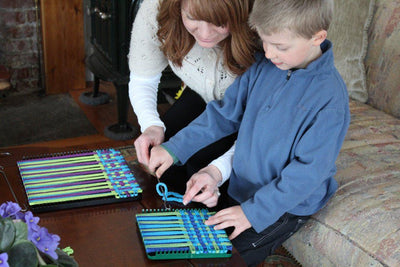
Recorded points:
110,30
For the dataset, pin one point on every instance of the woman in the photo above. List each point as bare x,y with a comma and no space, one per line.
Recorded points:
207,44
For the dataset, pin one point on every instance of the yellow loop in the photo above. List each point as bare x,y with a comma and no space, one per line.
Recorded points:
180,91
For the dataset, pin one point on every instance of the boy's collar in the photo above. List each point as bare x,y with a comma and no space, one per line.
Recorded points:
325,45
325,59
318,63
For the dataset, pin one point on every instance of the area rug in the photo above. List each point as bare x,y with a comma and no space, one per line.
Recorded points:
32,118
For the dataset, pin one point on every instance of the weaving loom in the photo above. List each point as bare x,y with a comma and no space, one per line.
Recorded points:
77,179
181,234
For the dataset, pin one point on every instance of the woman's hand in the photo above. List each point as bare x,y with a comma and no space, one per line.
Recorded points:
204,181
230,217
152,136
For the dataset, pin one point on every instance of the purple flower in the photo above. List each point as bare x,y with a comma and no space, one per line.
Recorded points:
10,209
3,260
45,242
31,221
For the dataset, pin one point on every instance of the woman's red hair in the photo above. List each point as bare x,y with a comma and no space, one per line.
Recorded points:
238,48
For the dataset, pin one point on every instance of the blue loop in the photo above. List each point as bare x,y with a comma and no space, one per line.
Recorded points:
164,186
168,196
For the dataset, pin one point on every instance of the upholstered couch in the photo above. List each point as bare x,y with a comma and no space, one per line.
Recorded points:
360,226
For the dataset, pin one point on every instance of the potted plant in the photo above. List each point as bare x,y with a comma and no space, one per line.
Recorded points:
23,243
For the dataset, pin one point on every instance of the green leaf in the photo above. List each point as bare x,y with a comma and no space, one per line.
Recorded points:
65,260
21,230
7,234
23,254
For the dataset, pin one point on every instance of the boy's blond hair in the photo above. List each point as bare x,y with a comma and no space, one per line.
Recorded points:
302,17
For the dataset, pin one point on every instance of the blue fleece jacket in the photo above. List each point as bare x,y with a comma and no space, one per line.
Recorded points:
291,125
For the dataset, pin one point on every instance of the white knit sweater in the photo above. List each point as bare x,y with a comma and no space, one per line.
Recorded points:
202,70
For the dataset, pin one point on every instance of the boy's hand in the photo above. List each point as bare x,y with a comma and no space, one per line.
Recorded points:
152,136
160,160
233,216
204,181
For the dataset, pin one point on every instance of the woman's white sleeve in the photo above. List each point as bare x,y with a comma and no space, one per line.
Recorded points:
143,97
224,164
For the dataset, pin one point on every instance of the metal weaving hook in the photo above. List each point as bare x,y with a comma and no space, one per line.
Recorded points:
12,191
4,154
162,190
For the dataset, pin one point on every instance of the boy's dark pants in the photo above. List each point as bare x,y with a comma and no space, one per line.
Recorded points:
255,247
188,107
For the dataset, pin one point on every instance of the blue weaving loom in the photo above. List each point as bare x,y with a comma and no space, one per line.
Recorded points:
181,234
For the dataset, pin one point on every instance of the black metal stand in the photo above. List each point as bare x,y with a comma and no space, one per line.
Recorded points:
102,70
122,130
95,97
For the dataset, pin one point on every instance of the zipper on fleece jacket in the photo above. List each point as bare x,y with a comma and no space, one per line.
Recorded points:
288,75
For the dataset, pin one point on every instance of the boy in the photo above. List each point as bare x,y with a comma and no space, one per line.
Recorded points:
291,113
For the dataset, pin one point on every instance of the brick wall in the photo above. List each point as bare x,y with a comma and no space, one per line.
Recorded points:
19,44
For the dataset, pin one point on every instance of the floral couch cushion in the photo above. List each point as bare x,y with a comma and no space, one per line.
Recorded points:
383,58
348,32
360,224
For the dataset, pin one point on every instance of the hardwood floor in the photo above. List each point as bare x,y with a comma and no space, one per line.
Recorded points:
102,116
